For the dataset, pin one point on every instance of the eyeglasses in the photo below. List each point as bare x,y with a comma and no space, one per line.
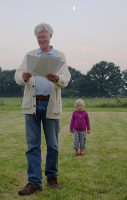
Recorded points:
42,37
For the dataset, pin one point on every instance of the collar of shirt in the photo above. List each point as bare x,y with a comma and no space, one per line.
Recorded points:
52,52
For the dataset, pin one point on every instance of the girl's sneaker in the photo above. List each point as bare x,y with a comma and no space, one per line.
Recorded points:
81,154
76,154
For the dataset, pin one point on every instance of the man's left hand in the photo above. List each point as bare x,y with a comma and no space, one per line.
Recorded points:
52,77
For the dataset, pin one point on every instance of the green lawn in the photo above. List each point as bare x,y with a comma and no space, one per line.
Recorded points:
100,175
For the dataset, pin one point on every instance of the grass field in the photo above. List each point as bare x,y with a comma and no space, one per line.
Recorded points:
100,175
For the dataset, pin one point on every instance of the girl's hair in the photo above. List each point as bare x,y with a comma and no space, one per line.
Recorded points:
79,101
43,27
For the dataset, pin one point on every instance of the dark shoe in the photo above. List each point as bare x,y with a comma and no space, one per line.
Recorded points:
76,154
53,182
81,154
30,188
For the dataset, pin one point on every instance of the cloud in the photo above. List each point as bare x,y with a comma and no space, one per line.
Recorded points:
84,48
91,49
81,62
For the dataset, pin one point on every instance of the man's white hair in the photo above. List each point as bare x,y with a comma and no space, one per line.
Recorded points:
43,27
79,101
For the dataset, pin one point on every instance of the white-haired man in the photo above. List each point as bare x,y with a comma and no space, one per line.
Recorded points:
42,103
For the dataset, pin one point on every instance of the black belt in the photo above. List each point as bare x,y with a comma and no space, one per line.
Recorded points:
41,97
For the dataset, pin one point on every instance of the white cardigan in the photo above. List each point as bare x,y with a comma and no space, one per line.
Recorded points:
54,109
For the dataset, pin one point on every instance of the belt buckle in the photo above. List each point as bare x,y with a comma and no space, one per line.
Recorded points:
41,97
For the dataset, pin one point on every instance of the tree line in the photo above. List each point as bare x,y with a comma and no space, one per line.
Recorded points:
104,79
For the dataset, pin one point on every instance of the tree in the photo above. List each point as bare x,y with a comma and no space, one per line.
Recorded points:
124,82
79,85
8,87
71,89
106,78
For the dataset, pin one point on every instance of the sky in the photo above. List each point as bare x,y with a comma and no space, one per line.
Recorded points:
87,31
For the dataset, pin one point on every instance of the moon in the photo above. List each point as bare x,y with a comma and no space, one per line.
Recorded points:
74,8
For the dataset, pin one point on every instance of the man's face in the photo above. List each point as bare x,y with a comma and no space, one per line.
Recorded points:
43,39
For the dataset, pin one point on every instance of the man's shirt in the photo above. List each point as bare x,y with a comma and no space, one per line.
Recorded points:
43,85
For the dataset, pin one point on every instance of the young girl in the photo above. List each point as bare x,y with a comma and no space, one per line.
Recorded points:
79,124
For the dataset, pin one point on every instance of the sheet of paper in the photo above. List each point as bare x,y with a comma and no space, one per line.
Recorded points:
31,63
43,65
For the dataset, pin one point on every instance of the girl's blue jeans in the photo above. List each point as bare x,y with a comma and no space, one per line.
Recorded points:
33,138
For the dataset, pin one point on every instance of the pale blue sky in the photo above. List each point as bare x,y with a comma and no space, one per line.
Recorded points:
95,31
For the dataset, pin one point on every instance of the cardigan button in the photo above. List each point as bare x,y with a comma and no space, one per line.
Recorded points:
33,95
32,85
34,105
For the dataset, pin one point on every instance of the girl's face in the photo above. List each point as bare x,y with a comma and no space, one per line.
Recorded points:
80,106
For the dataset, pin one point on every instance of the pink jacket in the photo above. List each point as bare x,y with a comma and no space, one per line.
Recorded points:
79,121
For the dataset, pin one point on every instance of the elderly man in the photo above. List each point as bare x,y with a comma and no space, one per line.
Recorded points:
42,103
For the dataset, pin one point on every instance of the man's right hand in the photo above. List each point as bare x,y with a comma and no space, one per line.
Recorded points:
26,76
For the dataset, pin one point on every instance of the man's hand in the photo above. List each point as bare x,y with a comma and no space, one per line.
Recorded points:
88,131
52,77
26,76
